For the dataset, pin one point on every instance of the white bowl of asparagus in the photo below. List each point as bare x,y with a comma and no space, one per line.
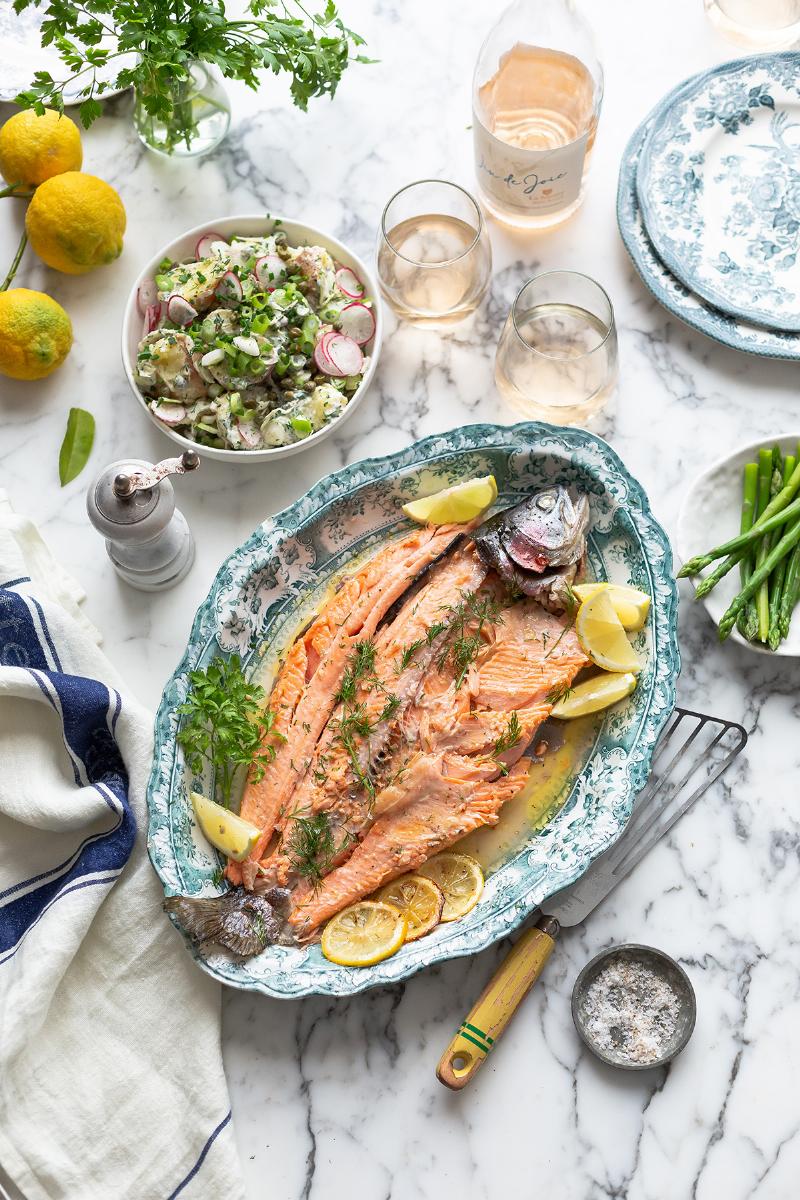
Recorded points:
746,507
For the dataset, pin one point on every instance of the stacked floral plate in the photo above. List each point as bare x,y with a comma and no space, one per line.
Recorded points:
709,203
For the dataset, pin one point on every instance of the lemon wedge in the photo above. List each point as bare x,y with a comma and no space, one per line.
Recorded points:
418,899
602,635
460,878
229,832
457,504
630,605
594,694
363,934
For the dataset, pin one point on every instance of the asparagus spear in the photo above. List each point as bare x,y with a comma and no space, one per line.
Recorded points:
749,513
744,541
776,583
791,591
762,595
700,561
786,543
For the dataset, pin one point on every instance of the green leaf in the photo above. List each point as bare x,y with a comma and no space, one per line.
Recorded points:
90,110
76,446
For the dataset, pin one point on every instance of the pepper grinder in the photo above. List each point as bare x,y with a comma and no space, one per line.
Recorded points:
132,504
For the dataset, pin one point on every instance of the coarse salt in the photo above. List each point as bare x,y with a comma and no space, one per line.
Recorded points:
631,1011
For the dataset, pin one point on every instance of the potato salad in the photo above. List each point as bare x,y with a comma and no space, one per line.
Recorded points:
254,343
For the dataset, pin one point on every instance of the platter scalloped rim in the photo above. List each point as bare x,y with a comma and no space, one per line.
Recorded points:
263,586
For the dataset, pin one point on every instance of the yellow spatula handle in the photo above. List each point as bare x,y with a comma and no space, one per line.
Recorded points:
498,1002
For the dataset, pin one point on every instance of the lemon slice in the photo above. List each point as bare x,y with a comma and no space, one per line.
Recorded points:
363,934
457,504
461,880
630,605
593,694
602,636
418,899
226,830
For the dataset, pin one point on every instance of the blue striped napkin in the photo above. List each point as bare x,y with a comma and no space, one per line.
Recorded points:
111,1080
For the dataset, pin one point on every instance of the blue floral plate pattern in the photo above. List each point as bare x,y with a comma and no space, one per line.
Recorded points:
719,187
267,588
669,291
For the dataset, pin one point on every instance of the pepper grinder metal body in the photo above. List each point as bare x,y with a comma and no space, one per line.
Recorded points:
132,504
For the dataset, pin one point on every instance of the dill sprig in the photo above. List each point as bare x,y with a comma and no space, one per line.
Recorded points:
312,848
559,692
354,722
507,740
408,653
573,604
462,646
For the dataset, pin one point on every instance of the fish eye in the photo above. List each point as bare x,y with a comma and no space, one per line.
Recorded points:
546,502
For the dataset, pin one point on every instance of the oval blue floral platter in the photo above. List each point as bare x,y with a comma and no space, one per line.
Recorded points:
719,186
266,590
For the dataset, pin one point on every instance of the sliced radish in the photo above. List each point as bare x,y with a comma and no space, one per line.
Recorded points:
152,317
212,358
170,414
325,364
146,295
357,321
269,270
349,283
229,287
180,311
345,354
205,244
250,434
323,356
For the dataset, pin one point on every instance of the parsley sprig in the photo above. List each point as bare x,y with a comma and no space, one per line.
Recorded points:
225,723
168,36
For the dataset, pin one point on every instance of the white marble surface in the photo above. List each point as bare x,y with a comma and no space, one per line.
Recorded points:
338,1099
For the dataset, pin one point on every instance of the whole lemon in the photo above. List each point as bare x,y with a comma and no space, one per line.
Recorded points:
75,222
33,148
35,334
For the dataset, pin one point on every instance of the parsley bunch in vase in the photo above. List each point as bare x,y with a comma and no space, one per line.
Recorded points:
174,54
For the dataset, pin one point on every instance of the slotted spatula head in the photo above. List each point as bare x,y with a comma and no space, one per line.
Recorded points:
692,753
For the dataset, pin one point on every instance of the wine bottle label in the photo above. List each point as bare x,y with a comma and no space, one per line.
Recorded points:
528,181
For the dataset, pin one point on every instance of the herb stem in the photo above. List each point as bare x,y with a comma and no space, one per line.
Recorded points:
17,259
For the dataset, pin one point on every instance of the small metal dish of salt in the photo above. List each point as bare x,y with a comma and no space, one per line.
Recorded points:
634,1007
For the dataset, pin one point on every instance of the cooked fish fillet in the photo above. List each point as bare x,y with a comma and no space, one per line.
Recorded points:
422,743
304,691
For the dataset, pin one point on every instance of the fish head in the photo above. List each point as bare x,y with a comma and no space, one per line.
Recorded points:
548,530
542,536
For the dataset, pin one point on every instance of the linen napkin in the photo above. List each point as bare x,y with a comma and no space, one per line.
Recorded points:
111,1081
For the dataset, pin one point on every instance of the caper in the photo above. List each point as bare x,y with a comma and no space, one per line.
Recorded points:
295,331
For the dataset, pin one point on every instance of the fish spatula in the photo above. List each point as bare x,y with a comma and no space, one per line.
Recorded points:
691,754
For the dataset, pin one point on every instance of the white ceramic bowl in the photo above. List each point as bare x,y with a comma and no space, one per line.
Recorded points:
710,515
182,249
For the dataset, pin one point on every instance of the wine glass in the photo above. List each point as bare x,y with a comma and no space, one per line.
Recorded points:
557,355
434,253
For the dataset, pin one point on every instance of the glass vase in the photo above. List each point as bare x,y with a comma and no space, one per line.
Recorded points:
199,120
